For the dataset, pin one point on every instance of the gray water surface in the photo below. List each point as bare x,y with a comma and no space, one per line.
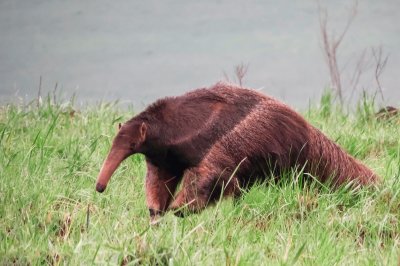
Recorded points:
138,51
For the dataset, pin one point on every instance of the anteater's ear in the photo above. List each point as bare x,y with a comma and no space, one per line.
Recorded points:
118,128
143,131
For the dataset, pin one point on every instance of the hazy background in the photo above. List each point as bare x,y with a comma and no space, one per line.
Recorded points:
138,51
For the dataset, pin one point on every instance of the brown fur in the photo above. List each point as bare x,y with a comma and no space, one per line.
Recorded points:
219,139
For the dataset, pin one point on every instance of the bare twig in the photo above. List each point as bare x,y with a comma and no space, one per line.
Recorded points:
361,65
380,63
240,72
331,45
376,60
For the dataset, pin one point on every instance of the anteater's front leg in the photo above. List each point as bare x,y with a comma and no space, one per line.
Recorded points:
202,186
160,188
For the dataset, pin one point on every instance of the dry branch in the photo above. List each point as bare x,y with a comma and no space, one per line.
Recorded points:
240,72
331,45
380,63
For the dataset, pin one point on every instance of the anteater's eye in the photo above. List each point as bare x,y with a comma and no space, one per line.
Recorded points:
132,146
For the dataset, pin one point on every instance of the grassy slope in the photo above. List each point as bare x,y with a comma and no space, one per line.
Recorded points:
49,160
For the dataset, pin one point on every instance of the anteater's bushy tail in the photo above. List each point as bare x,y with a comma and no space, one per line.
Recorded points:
328,161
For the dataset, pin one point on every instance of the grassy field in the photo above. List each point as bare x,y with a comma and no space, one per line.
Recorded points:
50,213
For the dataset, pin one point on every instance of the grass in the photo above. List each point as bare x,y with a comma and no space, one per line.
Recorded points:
50,214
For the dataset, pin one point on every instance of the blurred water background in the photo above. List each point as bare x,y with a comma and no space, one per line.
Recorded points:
138,51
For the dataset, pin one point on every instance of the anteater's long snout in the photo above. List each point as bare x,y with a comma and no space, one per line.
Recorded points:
113,160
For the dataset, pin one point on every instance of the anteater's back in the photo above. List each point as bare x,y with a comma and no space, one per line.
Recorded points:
191,124
226,125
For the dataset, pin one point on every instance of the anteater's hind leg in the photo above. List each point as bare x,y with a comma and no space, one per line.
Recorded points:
160,188
202,186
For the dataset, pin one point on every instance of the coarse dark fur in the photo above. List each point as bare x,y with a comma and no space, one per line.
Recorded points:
219,139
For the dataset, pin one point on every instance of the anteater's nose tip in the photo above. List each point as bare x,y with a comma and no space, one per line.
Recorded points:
100,187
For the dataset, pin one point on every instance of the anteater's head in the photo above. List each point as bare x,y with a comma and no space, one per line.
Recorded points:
128,141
